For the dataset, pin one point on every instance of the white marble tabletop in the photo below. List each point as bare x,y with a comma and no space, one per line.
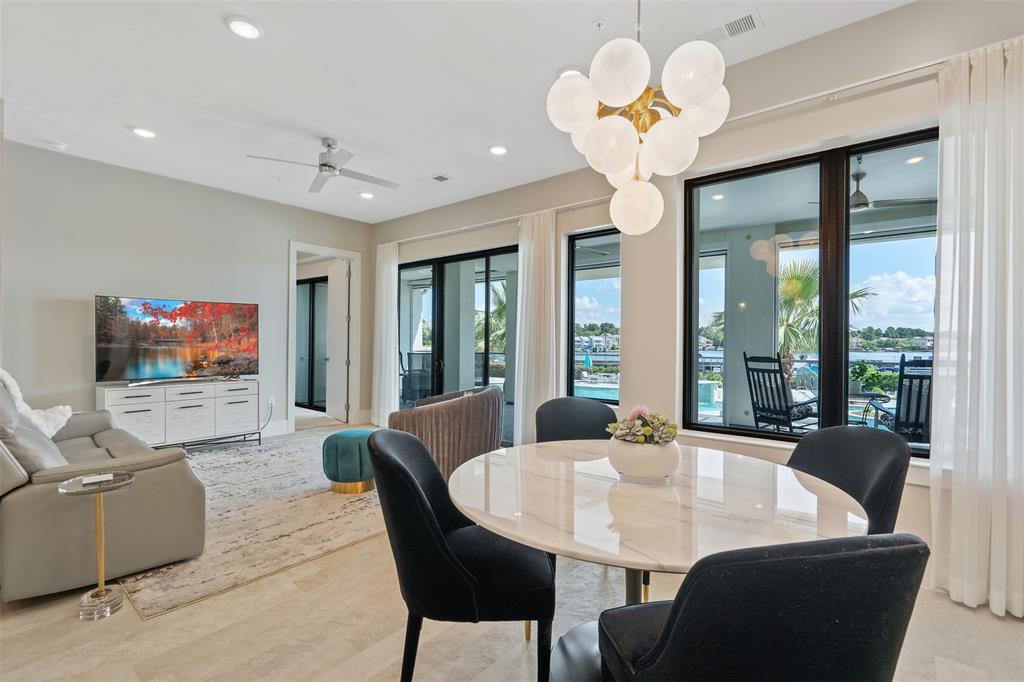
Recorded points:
564,497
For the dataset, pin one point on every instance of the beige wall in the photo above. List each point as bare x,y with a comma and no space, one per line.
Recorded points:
74,228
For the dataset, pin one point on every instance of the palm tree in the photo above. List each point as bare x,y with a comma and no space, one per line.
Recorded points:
798,307
714,331
498,309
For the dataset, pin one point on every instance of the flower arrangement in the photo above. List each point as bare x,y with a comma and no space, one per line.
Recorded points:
643,427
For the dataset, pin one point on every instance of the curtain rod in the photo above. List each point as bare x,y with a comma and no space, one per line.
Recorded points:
500,221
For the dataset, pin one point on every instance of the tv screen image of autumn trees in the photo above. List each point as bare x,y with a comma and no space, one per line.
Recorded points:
143,338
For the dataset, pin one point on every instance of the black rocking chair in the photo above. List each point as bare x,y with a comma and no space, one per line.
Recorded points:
771,398
912,415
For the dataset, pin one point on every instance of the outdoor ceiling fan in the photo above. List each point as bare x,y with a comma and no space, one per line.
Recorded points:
859,201
332,160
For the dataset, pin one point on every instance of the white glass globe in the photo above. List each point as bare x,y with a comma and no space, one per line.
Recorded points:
670,146
636,207
628,174
571,103
578,137
693,74
620,71
709,117
611,144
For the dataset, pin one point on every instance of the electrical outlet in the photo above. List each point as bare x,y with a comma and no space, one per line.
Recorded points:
270,400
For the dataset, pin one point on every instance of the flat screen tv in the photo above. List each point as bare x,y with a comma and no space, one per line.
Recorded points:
140,339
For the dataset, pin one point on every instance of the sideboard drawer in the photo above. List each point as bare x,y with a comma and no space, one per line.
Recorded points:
237,414
145,422
237,388
134,396
190,392
190,420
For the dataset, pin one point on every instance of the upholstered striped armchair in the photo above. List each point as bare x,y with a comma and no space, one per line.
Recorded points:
455,427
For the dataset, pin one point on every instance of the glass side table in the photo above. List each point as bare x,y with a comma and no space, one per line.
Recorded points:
104,600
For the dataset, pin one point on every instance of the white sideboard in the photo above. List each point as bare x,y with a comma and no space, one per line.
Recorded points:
170,414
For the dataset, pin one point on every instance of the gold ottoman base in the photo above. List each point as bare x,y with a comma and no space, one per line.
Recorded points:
352,488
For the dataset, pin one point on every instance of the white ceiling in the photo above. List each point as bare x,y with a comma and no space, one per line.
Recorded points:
784,196
413,89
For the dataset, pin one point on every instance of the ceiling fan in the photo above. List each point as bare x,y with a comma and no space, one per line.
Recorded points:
859,201
332,160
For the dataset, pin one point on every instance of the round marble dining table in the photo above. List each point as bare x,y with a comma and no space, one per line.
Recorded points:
564,497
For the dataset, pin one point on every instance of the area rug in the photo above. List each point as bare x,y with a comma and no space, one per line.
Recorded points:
268,507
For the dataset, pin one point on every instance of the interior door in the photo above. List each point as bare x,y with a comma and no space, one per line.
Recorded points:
338,314
302,343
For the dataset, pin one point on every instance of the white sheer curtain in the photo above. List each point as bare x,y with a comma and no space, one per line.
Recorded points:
385,337
977,459
537,330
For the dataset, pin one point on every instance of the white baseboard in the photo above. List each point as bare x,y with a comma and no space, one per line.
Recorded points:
276,428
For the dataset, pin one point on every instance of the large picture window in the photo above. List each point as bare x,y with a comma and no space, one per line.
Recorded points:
812,285
594,315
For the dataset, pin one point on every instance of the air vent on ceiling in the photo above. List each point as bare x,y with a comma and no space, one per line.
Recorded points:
751,21
437,177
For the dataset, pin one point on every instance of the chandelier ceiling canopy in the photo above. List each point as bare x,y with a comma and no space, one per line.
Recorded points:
628,129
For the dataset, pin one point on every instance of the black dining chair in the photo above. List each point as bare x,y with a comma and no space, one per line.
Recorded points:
450,569
821,610
573,419
869,465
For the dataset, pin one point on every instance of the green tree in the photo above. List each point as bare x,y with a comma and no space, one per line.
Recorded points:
498,326
798,307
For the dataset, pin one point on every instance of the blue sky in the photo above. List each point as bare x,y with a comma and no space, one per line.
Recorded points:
598,300
132,305
902,274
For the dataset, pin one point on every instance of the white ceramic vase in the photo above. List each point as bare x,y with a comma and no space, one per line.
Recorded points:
643,461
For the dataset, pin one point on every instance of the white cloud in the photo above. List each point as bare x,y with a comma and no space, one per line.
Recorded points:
589,309
900,300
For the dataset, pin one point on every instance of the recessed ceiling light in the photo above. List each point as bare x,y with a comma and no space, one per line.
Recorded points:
244,28
366,195
57,145
144,132
717,197
499,150
915,159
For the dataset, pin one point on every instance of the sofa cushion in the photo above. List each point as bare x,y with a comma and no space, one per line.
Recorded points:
33,450
120,443
8,414
81,450
12,475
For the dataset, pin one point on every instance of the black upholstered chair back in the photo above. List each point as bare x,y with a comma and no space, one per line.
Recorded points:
870,465
573,419
823,610
417,513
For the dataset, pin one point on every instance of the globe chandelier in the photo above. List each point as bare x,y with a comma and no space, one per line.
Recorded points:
628,129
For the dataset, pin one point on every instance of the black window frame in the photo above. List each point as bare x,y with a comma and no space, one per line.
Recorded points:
571,308
833,259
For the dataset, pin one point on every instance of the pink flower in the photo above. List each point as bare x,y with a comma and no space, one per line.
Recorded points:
639,411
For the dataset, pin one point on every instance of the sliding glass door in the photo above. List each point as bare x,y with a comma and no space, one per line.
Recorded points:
416,364
457,323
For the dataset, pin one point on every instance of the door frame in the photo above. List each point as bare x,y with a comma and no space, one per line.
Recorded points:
310,404
355,259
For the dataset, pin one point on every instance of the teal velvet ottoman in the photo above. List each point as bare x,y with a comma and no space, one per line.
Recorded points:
347,461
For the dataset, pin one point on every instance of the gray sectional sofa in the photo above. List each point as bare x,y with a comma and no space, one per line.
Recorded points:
47,539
